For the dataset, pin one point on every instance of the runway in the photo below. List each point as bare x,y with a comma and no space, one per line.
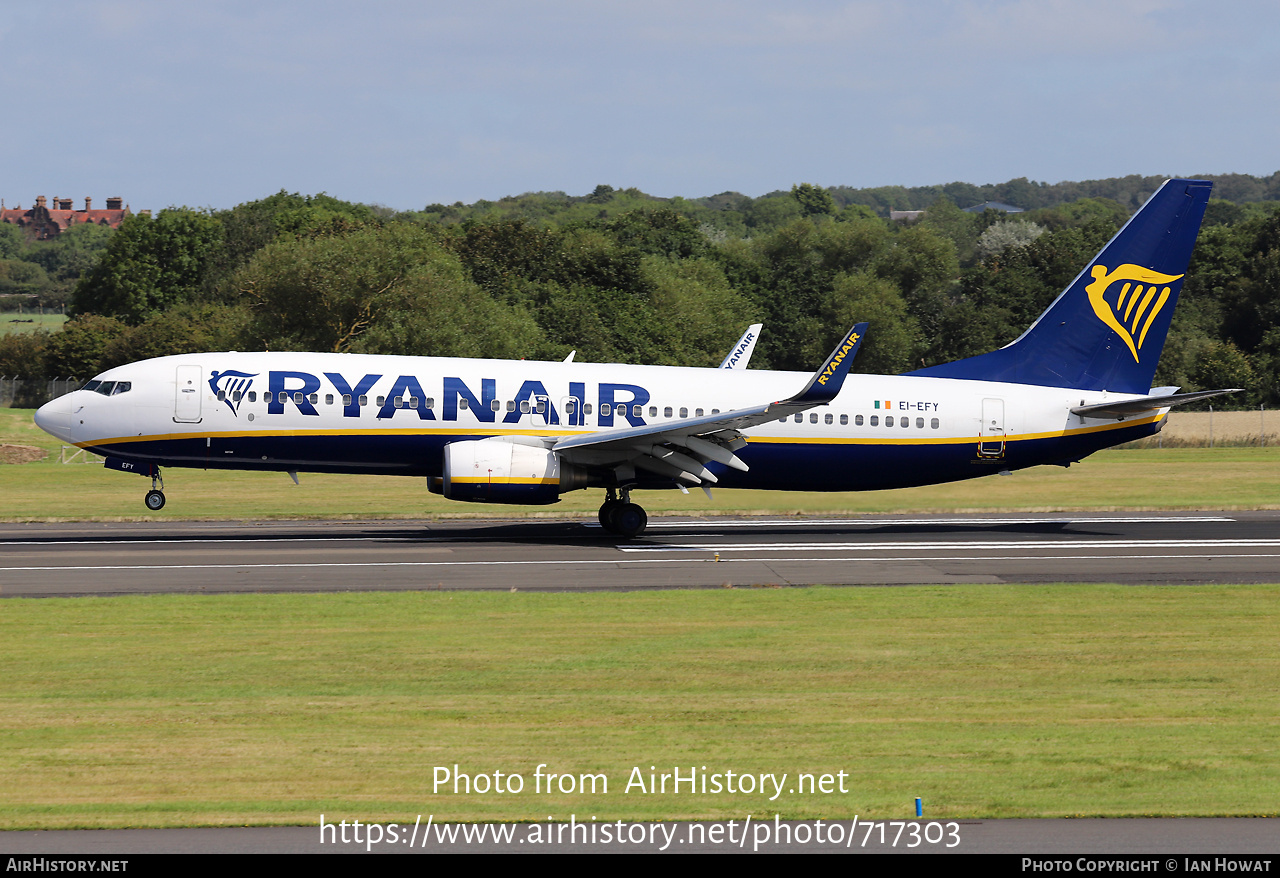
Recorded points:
45,560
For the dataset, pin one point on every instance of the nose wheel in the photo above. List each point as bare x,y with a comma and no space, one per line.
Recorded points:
155,497
621,516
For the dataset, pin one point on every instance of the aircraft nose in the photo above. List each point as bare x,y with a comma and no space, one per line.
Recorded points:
55,418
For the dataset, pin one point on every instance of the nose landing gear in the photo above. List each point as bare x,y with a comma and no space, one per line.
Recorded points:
155,497
621,516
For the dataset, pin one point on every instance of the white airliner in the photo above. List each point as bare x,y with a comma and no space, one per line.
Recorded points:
516,431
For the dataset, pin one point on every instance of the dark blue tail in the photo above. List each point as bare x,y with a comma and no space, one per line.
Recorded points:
1106,330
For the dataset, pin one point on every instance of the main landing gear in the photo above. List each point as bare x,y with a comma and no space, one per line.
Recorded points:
155,497
621,516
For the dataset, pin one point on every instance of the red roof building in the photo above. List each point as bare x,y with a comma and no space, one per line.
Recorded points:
43,222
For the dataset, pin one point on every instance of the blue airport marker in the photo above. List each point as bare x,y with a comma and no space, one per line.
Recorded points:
918,809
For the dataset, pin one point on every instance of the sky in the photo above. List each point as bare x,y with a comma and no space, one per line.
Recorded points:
406,103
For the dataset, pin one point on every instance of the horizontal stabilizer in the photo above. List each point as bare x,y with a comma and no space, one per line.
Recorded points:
1129,408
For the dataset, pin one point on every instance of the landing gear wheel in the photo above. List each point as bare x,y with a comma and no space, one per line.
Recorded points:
608,510
155,500
629,520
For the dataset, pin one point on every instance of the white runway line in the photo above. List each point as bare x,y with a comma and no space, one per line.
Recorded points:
880,522
637,561
953,546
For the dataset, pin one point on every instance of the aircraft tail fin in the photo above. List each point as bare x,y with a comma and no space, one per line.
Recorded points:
1107,328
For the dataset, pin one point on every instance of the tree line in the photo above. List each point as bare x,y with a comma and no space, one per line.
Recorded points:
619,276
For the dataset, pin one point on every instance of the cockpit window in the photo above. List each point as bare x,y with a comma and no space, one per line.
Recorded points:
108,388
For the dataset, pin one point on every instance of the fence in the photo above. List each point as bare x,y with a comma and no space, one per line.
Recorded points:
31,393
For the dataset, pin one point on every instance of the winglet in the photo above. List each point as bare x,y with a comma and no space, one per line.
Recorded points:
826,382
741,353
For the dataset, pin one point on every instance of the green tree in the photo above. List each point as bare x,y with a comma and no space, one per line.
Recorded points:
185,329
150,265
388,290
22,354
891,340
76,350
813,200
696,314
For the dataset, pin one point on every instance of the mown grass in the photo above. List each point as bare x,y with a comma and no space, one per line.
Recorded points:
13,322
1186,478
987,701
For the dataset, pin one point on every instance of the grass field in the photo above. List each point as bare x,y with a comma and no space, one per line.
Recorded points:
12,321
990,701
1183,478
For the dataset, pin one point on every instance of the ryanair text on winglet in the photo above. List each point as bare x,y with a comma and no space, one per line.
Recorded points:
849,343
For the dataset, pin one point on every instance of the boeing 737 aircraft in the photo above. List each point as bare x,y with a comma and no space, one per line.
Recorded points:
513,431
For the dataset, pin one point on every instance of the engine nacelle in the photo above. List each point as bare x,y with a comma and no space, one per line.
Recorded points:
501,471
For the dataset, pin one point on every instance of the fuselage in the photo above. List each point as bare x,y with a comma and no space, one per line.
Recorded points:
350,413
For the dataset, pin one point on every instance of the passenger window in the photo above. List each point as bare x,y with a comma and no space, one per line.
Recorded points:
667,412
586,408
697,413
637,411
684,412
495,405
653,411
906,422
715,411
919,423
253,396
605,409
857,420
297,397
844,420
222,396
933,424
346,399
524,407
799,418
875,420
314,398
888,420
364,400
382,400
570,407
235,397
511,405
541,407
830,419
398,402
431,403
813,417
283,397
328,399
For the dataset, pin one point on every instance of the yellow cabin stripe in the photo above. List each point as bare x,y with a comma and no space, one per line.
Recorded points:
770,440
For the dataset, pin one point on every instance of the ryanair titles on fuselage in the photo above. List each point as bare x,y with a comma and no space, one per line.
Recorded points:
407,394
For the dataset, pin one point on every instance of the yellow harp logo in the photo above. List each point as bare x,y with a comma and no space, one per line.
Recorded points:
1140,293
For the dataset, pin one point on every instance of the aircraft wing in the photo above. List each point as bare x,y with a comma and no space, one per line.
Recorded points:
1129,408
681,449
